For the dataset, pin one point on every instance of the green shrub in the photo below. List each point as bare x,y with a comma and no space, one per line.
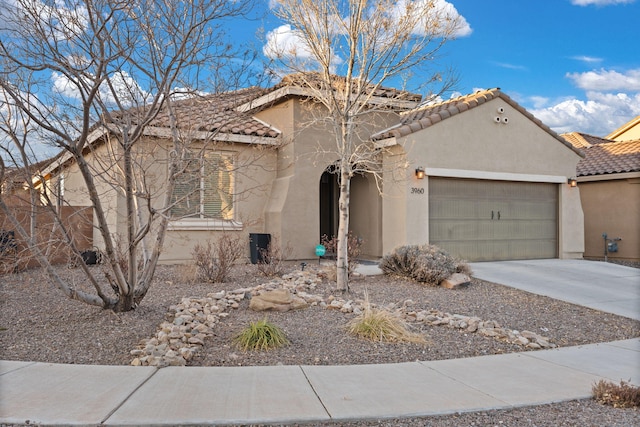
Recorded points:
424,263
261,335
624,395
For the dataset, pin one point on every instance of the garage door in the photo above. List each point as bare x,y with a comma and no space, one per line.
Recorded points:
481,220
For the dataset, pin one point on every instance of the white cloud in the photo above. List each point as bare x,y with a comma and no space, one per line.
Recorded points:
539,101
587,59
607,80
611,99
442,11
510,66
127,89
15,122
61,20
463,28
599,2
285,41
598,115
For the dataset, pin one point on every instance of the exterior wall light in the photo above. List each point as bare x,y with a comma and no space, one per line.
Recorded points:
572,182
420,172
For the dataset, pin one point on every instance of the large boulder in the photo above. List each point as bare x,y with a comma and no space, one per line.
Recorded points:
278,300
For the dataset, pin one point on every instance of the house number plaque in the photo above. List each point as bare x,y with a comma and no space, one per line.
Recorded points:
417,190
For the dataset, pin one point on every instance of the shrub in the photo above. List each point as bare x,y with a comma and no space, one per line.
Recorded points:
354,247
214,261
624,395
424,263
376,324
273,259
261,335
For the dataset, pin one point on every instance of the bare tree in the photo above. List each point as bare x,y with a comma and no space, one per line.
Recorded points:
75,74
343,52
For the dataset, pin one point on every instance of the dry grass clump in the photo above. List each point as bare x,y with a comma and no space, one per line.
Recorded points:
375,324
423,263
623,395
261,335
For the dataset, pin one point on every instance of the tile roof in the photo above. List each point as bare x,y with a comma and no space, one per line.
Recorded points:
430,114
610,158
604,156
217,113
313,81
583,140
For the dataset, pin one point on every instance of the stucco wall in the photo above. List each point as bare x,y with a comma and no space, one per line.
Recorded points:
473,145
630,134
254,171
255,166
612,207
104,175
292,212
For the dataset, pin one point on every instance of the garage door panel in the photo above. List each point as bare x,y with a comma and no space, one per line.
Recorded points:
482,220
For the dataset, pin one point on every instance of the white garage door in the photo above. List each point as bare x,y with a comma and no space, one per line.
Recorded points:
482,220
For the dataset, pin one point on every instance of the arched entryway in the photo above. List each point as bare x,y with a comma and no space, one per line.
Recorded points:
365,213
329,194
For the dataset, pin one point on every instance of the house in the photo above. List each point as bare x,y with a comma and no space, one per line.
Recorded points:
495,183
35,216
477,175
609,181
627,132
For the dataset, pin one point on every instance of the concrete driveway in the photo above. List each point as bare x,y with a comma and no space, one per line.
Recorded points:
603,286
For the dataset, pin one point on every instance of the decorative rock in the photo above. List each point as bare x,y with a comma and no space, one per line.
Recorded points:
191,322
456,280
278,300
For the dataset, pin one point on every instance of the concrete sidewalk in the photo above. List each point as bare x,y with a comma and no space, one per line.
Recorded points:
52,394
55,394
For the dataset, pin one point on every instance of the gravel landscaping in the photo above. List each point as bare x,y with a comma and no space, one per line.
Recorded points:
38,323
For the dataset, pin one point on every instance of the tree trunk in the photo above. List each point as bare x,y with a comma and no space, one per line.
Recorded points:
342,256
124,303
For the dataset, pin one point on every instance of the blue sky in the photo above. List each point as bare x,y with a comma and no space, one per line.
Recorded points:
574,64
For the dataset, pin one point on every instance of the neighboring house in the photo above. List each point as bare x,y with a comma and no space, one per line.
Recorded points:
36,217
627,132
609,181
495,183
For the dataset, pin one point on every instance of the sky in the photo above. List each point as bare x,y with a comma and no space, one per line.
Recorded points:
574,64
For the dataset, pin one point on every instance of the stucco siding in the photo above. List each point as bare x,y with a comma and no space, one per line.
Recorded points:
474,141
612,207
478,144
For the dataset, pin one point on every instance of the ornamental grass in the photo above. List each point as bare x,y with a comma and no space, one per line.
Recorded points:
382,325
261,335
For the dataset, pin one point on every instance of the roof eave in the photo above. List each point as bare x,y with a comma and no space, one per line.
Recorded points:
608,176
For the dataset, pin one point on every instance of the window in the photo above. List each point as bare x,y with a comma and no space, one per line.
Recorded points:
60,191
205,189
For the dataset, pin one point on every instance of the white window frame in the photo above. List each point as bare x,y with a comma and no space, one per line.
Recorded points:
199,221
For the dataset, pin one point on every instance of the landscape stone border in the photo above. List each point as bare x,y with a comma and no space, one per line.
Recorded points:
189,323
